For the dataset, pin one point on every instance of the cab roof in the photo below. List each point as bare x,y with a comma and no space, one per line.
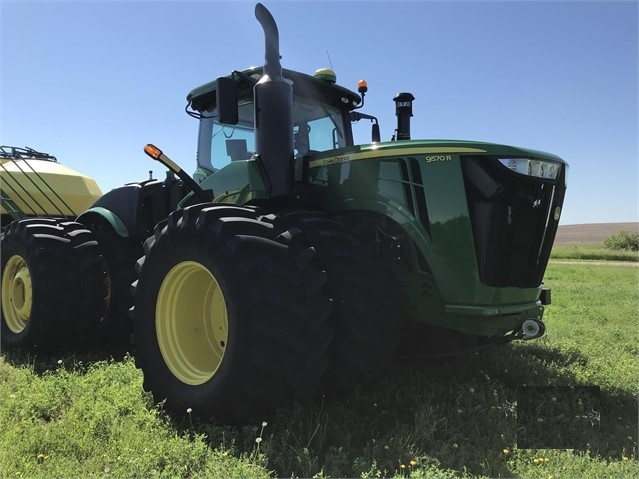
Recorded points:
203,97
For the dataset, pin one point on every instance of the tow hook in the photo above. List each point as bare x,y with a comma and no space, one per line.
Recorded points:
532,328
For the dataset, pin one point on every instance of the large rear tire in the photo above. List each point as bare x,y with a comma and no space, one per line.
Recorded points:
53,290
365,317
229,317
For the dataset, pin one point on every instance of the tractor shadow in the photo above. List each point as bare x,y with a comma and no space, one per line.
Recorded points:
458,413
524,394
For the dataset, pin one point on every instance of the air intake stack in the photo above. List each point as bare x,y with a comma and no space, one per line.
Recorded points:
274,112
403,110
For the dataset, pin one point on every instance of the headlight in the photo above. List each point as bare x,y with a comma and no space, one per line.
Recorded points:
537,168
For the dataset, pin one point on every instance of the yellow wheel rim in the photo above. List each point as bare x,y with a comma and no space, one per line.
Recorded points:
17,294
191,323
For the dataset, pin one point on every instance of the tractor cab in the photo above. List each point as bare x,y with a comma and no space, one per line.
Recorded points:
226,110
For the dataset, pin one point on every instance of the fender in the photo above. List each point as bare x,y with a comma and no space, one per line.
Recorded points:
134,209
114,220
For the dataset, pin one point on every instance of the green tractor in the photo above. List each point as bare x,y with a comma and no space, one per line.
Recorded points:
294,261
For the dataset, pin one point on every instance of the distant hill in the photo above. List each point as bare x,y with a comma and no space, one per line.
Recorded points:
593,233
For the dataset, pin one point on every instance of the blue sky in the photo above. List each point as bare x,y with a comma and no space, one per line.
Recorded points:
93,81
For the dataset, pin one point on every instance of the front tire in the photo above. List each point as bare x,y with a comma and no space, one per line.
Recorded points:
229,317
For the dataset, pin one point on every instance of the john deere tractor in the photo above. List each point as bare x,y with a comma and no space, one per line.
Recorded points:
294,260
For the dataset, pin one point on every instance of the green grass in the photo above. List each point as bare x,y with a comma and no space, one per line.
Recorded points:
444,418
591,252
76,421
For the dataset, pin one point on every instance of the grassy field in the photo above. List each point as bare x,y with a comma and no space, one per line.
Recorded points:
591,252
563,406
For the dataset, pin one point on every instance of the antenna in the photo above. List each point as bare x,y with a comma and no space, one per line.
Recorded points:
329,60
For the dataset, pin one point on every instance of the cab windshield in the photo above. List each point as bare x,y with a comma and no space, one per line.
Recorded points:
317,127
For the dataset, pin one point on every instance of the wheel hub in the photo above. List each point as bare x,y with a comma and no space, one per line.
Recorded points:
17,294
191,323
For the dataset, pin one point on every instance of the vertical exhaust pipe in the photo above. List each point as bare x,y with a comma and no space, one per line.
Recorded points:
403,110
274,112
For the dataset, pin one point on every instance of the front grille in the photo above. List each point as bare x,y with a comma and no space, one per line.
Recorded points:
512,217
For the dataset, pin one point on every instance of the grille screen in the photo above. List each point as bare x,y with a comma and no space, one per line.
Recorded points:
512,219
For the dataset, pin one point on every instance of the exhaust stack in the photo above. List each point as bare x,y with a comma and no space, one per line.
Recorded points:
274,112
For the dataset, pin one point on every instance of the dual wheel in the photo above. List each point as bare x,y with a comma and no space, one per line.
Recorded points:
365,316
53,285
66,284
235,313
229,315
238,313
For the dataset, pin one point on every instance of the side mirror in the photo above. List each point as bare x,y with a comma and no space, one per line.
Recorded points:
226,100
375,136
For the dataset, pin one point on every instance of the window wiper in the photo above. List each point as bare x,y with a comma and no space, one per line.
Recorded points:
244,76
